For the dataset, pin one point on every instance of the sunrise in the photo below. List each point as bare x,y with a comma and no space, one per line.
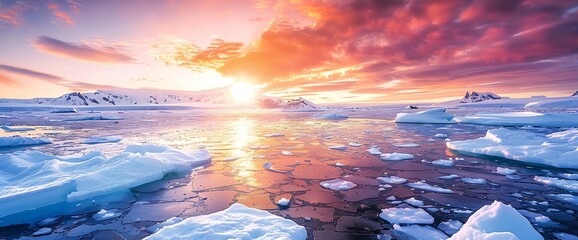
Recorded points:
288,119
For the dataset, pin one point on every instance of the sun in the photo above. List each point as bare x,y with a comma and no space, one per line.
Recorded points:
242,92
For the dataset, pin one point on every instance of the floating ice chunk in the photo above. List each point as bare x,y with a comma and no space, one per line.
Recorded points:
374,150
571,176
522,119
569,198
497,221
406,216
451,226
235,222
391,198
68,179
280,169
95,118
449,177
274,135
104,214
462,211
18,141
283,202
338,147
414,202
395,156
570,185
443,163
42,231
418,232
505,171
64,110
48,221
338,164
557,149
437,115
392,180
287,153
406,145
427,187
331,116
16,129
565,236
171,221
441,135
474,180
338,184
97,140
354,144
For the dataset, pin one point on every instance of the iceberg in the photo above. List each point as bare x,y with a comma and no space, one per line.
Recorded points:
522,119
559,149
32,175
18,141
437,115
235,222
497,221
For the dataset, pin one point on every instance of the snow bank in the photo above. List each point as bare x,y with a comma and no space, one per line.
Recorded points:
16,129
437,115
235,222
558,149
497,221
97,140
22,141
522,119
406,216
171,221
32,175
331,116
338,184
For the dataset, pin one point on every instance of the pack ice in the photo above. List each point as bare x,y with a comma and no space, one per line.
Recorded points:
559,149
28,176
437,115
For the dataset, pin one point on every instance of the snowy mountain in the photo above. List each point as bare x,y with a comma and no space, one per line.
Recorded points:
300,105
575,94
125,97
479,97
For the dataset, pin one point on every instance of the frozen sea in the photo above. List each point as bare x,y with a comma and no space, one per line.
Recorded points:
261,156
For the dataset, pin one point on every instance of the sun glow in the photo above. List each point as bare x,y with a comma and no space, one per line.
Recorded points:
242,92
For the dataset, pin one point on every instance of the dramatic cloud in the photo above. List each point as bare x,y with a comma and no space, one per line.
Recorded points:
422,43
83,52
31,73
174,51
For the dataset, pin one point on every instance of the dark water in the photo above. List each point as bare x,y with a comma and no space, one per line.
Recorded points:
239,146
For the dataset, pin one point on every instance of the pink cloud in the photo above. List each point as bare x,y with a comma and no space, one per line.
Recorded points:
83,52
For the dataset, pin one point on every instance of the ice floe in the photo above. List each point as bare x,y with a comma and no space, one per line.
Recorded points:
428,187
406,145
392,180
474,180
497,221
406,216
64,110
522,119
443,163
564,197
42,231
570,185
16,129
451,226
338,184
418,232
374,150
414,202
18,141
559,149
171,221
441,135
565,236
505,171
287,153
395,156
235,222
108,139
338,147
571,176
354,144
437,115
30,175
449,177
104,214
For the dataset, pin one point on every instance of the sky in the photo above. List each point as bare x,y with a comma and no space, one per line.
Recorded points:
324,50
